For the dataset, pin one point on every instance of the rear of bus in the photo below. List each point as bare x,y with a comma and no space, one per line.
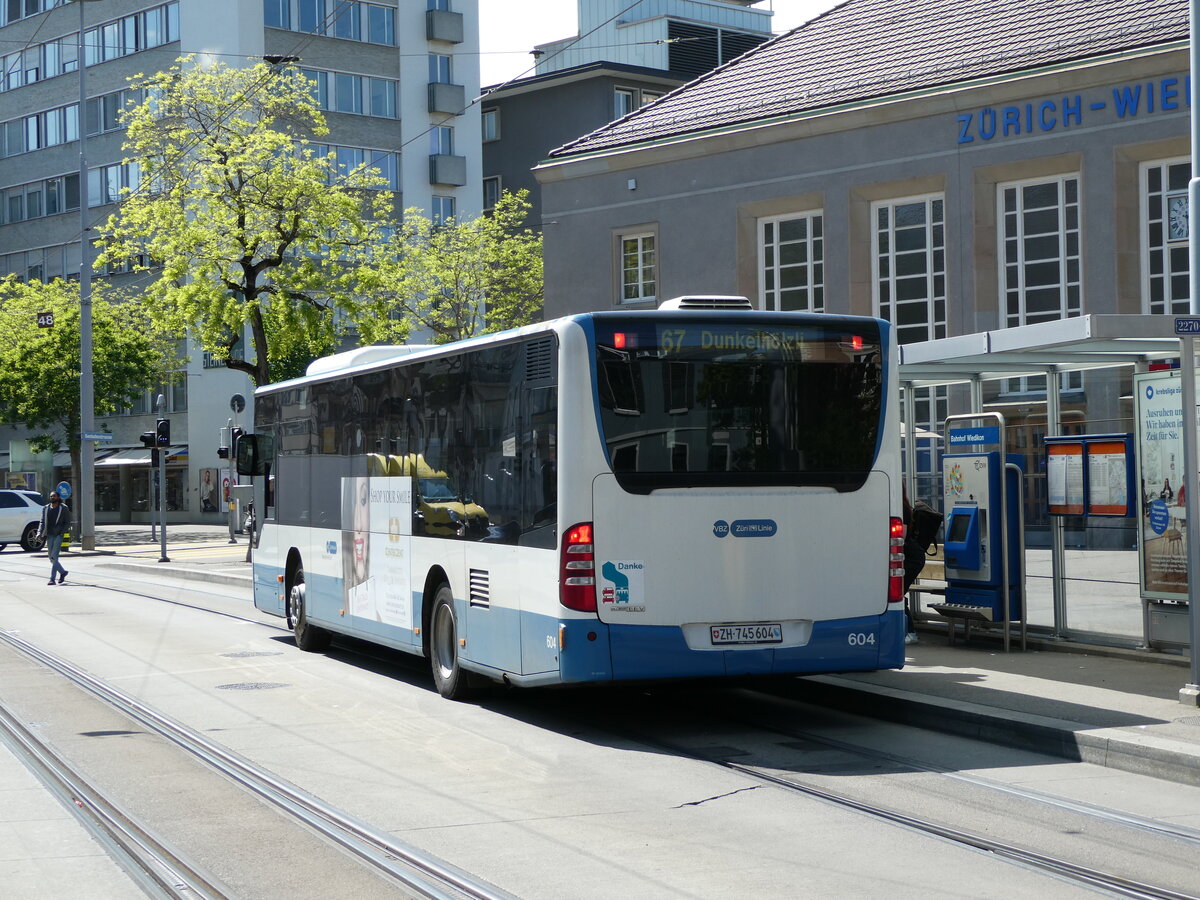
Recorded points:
732,505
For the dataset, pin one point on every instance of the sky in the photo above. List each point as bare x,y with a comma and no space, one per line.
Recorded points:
507,36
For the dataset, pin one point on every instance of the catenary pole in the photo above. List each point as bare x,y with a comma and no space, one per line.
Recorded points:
87,389
1190,692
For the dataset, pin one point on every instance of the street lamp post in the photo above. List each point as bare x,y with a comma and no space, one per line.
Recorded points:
87,391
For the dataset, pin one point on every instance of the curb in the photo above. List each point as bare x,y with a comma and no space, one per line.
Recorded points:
185,574
1110,747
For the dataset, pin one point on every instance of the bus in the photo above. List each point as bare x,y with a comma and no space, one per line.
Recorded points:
703,490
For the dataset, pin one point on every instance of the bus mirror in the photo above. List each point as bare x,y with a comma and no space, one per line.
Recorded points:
254,454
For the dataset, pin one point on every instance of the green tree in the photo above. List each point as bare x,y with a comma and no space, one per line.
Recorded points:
247,224
460,278
39,367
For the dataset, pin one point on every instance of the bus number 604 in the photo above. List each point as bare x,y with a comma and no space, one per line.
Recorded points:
858,639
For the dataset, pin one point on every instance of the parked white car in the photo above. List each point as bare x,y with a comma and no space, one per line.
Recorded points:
20,516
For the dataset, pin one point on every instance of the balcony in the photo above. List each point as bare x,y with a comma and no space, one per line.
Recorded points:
441,25
447,98
450,170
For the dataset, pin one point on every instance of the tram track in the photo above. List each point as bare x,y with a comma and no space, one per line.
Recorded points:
781,773
149,861
418,873
374,844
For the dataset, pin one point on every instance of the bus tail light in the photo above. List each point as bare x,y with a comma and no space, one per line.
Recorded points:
896,562
577,570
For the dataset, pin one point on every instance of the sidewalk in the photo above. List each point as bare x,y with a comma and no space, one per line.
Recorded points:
1116,708
1111,708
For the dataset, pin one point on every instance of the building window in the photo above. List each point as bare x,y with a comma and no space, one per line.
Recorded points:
277,13
792,263
491,192
441,140
910,267
490,122
638,267
439,68
443,210
106,183
1165,213
650,96
348,93
381,25
312,16
443,5
347,21
624,102
1040,277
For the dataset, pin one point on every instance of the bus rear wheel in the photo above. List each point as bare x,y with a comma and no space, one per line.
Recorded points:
451,680
309,638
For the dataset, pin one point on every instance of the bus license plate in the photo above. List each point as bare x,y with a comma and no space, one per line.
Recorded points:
746,634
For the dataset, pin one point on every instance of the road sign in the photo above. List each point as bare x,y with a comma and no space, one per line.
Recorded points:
102,436
64,490
45,320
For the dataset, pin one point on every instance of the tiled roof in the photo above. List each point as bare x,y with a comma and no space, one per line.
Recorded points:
865,49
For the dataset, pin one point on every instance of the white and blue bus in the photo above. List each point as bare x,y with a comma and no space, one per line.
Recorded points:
690,492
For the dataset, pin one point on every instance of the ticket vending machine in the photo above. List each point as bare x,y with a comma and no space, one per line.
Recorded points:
980,523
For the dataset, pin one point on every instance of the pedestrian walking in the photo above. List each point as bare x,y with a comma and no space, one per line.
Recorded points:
56,521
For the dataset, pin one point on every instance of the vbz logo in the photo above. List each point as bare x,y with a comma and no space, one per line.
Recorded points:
720,528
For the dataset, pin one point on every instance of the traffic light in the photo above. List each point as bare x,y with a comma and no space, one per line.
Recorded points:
234,433
164,432
149,439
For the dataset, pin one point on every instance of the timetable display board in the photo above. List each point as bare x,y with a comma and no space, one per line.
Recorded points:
1090,475
1109,479
1064,478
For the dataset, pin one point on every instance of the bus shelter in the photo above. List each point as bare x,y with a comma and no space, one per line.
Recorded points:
1068,377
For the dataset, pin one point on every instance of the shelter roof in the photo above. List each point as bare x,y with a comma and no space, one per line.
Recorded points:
1068,345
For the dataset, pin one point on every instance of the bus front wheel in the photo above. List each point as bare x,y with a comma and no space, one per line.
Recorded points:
309,638
451,680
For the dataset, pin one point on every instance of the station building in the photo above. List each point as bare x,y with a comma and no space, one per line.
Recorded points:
953,166
394,77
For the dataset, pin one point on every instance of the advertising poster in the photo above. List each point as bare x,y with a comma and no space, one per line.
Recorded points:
376,528
209,479
1162,525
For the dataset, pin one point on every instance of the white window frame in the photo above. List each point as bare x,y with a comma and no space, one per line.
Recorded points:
629,95
1172,245
441,140
441,68
490,124
641,267
1066,307
772,267
934,326
440,204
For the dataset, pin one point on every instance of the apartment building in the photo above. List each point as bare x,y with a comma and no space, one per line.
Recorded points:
395,78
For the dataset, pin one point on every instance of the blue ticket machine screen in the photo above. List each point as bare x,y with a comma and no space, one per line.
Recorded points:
962,538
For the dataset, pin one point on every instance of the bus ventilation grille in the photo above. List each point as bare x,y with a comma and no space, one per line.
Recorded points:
707,301
539,360
481,589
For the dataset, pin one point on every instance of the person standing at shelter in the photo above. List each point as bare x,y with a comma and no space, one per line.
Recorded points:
56,521
914,562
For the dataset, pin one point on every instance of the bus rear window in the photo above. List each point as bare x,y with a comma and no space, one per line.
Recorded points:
730,403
